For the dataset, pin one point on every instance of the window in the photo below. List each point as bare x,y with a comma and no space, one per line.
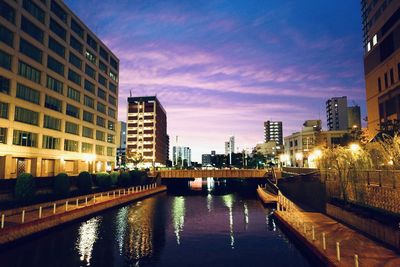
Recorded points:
7,12
111,113
90,71
99,150
50,142
113,63
26,116
34,10
77,28
374,40
51,123
74,77
3,135
55,85
55,65
110,138
379,84
100,121
6,36
72,111
53,103
58,11
113,87
71,128
101,108
3,110
87,116
87,148
58,29
102,94
391,77
74,94
30,50
103,53
21,138
87,132
102,66
75,44
111,125
4,85
386,81
112,100
88,101
5,60
28,72
28,94
102,80
390,106
74,60
369,46
70,145
31,29
113,76
91,57
58,48
91,42
110,152
101,136
89,86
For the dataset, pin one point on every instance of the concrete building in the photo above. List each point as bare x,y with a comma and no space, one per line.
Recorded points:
273,132
336,113
121,144
206,160
230,146
381,28
271,150
58,92
180,155
354,117
147,131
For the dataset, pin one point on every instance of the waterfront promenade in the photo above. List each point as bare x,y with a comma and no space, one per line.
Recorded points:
334,243
22,222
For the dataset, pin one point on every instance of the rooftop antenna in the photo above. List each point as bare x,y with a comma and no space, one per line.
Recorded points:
130,93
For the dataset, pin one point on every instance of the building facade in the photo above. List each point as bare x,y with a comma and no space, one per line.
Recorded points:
230,146
381,28
58,92
121,144
273,132
181,156
336,113
354,117
147,131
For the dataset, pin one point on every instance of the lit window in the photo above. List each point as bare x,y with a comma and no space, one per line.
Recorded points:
374,40
369,46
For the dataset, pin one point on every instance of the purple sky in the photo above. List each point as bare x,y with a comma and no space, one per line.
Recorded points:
221,68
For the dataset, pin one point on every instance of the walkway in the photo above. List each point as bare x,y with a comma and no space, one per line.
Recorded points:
343,246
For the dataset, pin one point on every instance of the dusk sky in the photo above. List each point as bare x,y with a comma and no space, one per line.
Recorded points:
222,68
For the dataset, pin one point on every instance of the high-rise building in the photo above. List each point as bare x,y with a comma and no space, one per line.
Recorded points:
181,156
147,131
230,146
354,117
381,28
121,143
58,92
336,113
273,132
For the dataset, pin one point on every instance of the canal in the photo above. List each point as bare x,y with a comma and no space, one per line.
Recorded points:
206,224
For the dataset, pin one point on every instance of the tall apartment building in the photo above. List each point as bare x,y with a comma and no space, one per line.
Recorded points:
230,146
121,143
354,117
147,130
273,132
336,113
381,29
180,155
58,92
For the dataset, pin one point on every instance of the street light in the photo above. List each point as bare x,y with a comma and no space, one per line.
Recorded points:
354,147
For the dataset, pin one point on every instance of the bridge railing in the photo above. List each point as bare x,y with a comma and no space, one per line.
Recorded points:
228,173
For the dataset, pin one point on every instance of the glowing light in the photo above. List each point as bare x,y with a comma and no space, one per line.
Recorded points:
354,147
178,217
284,157
89,157
228,201
299,156
88,234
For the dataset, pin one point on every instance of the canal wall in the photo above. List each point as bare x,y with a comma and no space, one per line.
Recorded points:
17,232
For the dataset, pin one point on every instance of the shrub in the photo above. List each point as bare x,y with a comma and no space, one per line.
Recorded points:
137,177
114,178
103,180
61,185
124,179
84,183
25,188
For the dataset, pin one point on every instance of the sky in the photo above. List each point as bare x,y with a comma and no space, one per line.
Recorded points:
222,68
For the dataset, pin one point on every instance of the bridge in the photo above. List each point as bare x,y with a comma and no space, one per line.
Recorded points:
227,173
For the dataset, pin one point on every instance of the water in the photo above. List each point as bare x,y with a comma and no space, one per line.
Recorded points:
212,227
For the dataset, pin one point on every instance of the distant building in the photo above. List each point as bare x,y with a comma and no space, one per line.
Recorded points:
354,117
180,155
206,160
147,131
270,150
230,146
121,143
336,113
273,132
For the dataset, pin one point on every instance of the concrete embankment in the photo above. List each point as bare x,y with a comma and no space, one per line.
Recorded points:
24,224
266,197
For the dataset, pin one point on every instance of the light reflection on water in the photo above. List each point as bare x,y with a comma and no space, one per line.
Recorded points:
88,234
178,217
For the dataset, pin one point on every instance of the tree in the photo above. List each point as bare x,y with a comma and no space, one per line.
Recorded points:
61,185
25,188
134,157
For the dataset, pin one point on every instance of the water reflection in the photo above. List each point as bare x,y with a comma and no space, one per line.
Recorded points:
228,202
121,226
178,217
87,236
246,214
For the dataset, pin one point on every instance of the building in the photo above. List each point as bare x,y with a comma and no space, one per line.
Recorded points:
270,150
58,92
121,144
230,146
206,160
381,28
336,113
273,132
354,117
147,131
182,156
